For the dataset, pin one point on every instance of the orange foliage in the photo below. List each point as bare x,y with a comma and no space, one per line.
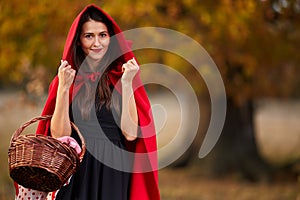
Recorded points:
254,45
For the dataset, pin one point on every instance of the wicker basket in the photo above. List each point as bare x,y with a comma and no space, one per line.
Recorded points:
42,162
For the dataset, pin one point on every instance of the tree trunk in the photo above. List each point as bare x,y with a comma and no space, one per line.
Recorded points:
236,150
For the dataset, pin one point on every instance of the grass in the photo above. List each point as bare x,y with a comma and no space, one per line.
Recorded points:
188,183
14,112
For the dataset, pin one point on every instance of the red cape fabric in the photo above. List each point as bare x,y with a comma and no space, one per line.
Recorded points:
144,185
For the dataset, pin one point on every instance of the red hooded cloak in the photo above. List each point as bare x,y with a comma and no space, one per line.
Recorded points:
144,185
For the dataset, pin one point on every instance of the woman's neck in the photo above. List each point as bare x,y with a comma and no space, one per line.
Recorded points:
93,65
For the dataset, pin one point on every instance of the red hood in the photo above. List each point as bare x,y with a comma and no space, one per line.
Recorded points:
143,185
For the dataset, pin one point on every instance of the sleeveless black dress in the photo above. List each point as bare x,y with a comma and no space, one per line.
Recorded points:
95,180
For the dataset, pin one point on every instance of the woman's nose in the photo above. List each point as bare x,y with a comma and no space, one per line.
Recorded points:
97,41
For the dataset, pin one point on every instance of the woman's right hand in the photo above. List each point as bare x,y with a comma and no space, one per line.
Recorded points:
66,75
60,121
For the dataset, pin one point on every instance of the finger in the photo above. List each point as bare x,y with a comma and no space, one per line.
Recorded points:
123,67
73,72
68,67
65,70
128,66
63,64
135,62
130,62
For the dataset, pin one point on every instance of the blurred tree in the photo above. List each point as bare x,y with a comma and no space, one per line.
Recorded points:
32,35
254,43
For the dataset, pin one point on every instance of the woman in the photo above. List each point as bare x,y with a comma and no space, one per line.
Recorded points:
98,84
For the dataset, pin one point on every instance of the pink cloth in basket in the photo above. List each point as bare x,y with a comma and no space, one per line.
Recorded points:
71,142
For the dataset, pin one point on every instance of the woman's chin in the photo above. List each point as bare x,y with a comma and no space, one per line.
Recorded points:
94,59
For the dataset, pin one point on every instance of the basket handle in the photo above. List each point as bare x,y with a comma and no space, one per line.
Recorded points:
45,117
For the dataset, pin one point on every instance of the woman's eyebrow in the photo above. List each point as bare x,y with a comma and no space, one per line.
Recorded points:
87,33
91,33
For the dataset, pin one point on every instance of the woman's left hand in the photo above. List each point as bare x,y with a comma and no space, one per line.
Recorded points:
130,69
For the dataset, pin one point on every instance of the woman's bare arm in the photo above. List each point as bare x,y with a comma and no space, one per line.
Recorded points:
60,122
129,116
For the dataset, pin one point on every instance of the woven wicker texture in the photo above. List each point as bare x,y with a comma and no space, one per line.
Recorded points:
41,162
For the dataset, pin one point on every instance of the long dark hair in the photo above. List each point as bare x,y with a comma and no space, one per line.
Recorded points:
85,98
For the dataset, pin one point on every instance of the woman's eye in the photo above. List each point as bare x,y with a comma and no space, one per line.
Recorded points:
103,35
88,36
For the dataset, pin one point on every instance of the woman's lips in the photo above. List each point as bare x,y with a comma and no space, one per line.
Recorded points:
96,50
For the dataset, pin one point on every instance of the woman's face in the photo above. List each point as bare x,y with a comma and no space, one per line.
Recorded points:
94,40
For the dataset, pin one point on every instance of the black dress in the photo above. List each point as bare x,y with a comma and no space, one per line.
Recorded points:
95,180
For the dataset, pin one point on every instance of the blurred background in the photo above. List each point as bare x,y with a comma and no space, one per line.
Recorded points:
254,43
